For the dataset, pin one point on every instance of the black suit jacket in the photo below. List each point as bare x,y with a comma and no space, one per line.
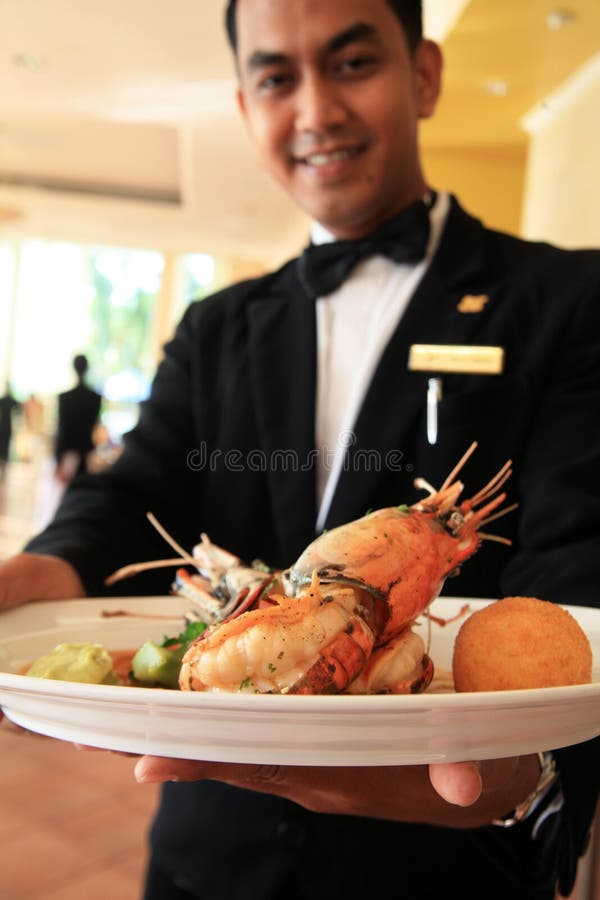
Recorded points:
226,445
78,411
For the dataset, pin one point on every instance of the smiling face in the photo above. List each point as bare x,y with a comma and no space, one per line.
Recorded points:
332,97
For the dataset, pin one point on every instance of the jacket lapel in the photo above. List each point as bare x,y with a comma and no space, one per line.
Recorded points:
282,336
396,396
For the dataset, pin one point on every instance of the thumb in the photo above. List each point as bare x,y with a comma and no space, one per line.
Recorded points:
150,769
457,783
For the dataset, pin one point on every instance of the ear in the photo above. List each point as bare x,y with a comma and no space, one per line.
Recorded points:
428,65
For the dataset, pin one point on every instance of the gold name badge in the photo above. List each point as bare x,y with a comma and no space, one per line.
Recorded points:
467,360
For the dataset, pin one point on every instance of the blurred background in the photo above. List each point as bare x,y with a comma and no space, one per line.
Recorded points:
128,188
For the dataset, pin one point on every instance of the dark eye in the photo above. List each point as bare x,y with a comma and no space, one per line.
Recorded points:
355,65
275,81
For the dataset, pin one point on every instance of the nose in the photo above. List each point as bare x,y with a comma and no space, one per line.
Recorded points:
319,105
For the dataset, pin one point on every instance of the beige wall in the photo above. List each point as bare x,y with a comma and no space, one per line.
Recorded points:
240,269
562,195
488,181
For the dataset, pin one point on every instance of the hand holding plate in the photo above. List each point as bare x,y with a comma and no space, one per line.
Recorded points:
463,794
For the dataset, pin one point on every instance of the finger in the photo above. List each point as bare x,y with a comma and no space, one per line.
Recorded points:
9,726
457,783
87,749
150,769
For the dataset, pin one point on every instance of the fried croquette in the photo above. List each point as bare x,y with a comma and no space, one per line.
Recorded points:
520,642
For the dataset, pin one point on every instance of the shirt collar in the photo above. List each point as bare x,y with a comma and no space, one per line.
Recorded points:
438,212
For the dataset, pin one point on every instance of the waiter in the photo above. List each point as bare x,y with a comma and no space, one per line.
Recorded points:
332,93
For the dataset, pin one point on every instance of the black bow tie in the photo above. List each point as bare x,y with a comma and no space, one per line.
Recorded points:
323,267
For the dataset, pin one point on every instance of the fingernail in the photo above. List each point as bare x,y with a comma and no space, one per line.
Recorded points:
150,777
155,779
140,775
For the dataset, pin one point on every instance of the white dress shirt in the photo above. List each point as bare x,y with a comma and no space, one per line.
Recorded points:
354,325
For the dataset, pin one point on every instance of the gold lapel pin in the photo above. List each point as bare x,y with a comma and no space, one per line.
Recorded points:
472,303
445,358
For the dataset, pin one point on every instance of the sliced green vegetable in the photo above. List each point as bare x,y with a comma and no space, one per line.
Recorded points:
160,663
153,664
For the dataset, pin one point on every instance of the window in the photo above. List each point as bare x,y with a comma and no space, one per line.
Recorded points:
199,269
125,285
71,299
7,267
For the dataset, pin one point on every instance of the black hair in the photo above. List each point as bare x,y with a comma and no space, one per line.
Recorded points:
409,12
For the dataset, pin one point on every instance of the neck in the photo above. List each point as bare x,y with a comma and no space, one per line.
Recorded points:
350,231
356,232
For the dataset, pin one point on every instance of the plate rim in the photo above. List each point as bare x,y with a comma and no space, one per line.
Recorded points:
442,726
16,683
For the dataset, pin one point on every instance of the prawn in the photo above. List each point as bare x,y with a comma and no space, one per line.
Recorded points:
343,621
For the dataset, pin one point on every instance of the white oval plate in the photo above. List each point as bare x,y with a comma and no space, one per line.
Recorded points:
278,729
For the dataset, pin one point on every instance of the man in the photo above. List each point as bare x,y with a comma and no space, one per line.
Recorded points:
332,93
8,406
78,411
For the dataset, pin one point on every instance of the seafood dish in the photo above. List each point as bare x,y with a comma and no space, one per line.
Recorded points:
340,619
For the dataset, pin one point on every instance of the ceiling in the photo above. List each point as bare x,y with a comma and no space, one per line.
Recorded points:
118,121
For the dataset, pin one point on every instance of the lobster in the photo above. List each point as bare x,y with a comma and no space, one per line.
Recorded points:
340,618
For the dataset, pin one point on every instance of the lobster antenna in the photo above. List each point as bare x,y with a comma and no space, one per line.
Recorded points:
165,534
494,537
494,484
459,465
499,514
421,484
137,568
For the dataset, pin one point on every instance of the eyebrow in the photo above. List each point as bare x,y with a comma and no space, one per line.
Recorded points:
360,31
261,59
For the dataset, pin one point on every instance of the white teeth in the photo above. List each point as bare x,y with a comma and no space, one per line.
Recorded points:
322,159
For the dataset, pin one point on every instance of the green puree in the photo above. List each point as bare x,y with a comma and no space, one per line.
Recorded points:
154,665
89,663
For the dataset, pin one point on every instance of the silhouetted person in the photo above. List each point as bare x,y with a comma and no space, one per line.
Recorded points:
78,412
8,405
